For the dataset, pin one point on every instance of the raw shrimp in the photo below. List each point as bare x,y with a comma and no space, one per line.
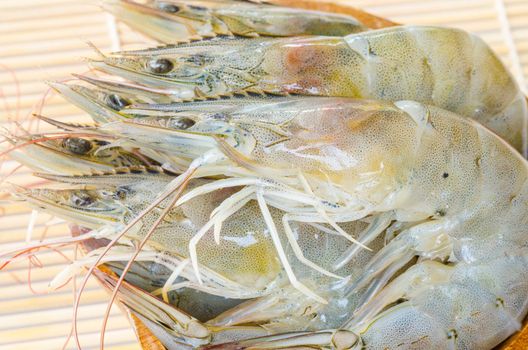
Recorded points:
430,306
231,269
70,153
461,192
198,305
453,196
183,330
105,101
355,224
175,21
177,330
451,192
127,190
448,68
120,196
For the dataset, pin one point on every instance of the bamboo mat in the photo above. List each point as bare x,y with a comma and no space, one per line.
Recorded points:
46,39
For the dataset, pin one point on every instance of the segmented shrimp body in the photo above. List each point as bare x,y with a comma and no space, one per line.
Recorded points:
461,193
181,20
447,190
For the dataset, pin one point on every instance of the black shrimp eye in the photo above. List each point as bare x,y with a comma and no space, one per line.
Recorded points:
182,123
116,102
81,200
171,8
77,145
160,66
120,194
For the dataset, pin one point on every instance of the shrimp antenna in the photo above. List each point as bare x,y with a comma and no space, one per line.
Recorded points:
171,187
96,50
100,257
138,249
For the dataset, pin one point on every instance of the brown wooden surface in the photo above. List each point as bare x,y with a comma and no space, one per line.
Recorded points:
518,341
147,340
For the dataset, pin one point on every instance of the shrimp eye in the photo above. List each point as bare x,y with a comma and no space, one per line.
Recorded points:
116,102
160,66
171,8
182,123
81,200
77,145
121,193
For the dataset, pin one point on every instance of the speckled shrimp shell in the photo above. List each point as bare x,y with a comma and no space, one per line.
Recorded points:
174,21
448,68
387,176
443,194
294,181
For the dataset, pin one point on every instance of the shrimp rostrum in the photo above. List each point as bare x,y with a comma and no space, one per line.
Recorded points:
450,192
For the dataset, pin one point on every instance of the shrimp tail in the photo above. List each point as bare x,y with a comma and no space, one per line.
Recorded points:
398,253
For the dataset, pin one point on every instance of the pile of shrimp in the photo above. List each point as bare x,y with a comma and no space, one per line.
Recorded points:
282,178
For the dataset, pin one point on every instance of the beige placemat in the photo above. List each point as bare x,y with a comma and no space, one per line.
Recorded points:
45,40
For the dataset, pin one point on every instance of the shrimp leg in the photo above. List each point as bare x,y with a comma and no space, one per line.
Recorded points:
280,250
173,327
378,225
441,304
336,339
